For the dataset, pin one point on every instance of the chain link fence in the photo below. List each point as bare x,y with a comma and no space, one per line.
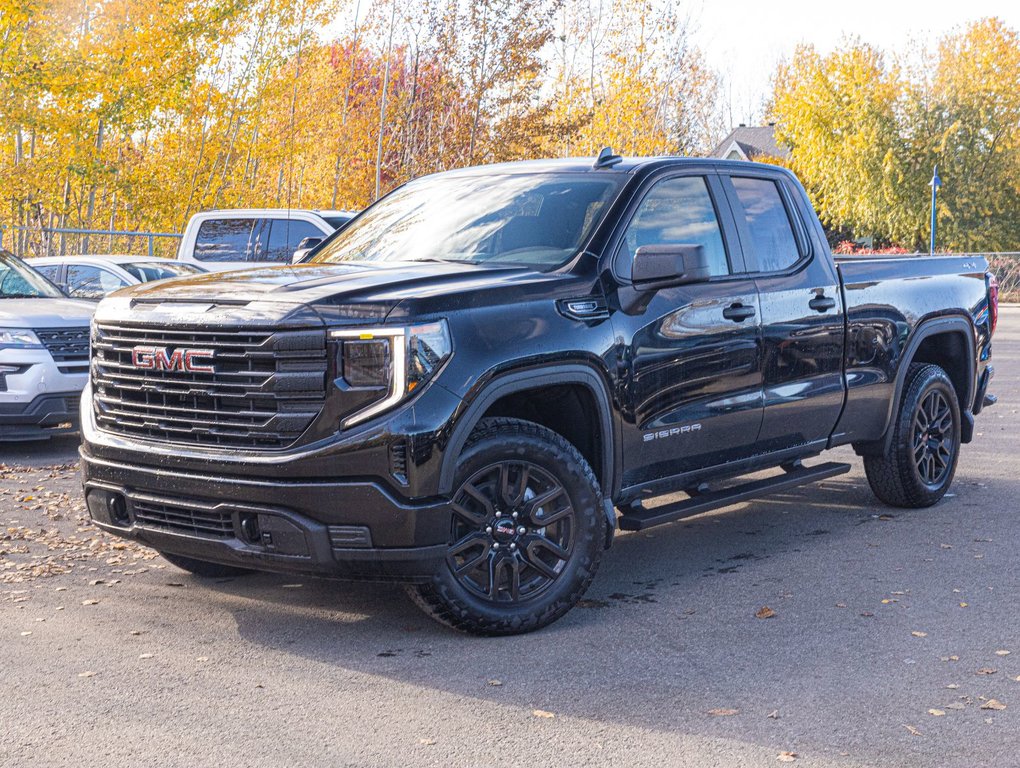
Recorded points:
29,242
1006,267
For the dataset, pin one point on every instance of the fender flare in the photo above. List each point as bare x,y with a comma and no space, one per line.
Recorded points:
955,324
534,378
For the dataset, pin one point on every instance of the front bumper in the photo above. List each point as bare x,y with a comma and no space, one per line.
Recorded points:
344,529
40,399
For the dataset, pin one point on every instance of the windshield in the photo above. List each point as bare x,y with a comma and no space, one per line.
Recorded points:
20,281
159,270
536,220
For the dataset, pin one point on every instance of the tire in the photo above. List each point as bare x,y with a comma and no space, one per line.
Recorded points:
919,466
527,532
203,568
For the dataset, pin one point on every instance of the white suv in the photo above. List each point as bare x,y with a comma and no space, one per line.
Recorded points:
235,239
44,354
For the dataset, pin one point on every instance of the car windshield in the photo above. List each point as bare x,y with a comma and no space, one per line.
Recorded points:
158,270
20,281
536,220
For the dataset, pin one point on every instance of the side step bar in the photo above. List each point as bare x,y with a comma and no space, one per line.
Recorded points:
638,518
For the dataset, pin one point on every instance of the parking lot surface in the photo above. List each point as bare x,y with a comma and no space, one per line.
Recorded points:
891,639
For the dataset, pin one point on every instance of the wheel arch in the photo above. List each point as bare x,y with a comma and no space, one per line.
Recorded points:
506,395
949,343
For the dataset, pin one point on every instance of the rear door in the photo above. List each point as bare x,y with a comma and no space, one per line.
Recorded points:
801,311
689,356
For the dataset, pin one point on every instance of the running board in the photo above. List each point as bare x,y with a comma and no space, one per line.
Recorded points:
638,518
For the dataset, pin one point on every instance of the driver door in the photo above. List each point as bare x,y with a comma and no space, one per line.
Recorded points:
690,355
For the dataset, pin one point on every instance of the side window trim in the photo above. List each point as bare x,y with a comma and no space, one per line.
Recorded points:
720,203
747,243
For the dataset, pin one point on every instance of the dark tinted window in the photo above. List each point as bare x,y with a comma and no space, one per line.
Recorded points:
227,240
677,212
769,223
87,282
337,221
284,238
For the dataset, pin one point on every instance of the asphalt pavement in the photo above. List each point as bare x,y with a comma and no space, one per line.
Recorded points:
892,639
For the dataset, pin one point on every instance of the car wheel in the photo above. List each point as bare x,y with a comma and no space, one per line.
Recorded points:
919,466
202,567
527,532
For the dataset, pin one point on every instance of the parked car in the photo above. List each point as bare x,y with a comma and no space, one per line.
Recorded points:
235,239
44,353
477,381
92,277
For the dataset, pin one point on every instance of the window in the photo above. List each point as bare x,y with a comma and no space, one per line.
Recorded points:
158,270
50,271
677,211
768,222
285,236
540,220
88,282
227,240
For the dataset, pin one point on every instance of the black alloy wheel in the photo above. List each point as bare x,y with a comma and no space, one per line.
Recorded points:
527,530
513,531
918,467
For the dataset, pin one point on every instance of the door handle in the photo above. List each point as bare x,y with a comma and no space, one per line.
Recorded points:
738,312
822,303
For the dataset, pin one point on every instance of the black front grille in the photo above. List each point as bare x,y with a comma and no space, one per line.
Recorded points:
191,518
265,389
66,344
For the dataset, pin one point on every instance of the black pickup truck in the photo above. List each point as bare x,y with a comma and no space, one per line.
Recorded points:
489,371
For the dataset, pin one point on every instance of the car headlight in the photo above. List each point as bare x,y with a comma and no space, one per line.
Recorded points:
388,364
18,338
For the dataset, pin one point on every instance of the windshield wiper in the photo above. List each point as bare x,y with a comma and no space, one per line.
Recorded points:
24,296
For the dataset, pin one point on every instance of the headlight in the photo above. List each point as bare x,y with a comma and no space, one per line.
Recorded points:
391,362
18,337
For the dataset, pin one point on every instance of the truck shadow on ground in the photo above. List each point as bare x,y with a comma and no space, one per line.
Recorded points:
668,630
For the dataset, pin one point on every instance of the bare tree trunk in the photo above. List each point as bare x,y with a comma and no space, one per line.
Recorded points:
91,209
382,103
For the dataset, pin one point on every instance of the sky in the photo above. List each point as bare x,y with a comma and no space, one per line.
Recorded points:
744,40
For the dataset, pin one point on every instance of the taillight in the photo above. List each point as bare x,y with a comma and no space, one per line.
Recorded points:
993,302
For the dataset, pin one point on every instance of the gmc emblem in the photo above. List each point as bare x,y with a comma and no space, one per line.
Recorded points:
181,359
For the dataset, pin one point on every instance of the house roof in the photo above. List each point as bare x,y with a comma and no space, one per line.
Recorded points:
752,141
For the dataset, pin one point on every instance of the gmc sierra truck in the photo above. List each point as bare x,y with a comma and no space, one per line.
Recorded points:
487,372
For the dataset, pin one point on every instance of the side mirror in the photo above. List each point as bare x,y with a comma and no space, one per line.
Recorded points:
663,266
303,248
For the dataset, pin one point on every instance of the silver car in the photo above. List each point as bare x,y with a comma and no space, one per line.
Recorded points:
44,353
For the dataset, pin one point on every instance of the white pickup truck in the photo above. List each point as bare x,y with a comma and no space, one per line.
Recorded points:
44,354
238,238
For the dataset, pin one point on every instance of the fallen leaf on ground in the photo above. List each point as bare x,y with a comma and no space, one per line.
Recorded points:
764,613
90,602
496,683
145,655
919,634
949,658
786,757
26,633
986,671
427,742
774,714
993,704
936,713
952,686
1002,653
87,674
201,658
912,729
723,712
542,713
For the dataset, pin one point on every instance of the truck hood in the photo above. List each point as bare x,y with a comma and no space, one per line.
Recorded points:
363,291
45,313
